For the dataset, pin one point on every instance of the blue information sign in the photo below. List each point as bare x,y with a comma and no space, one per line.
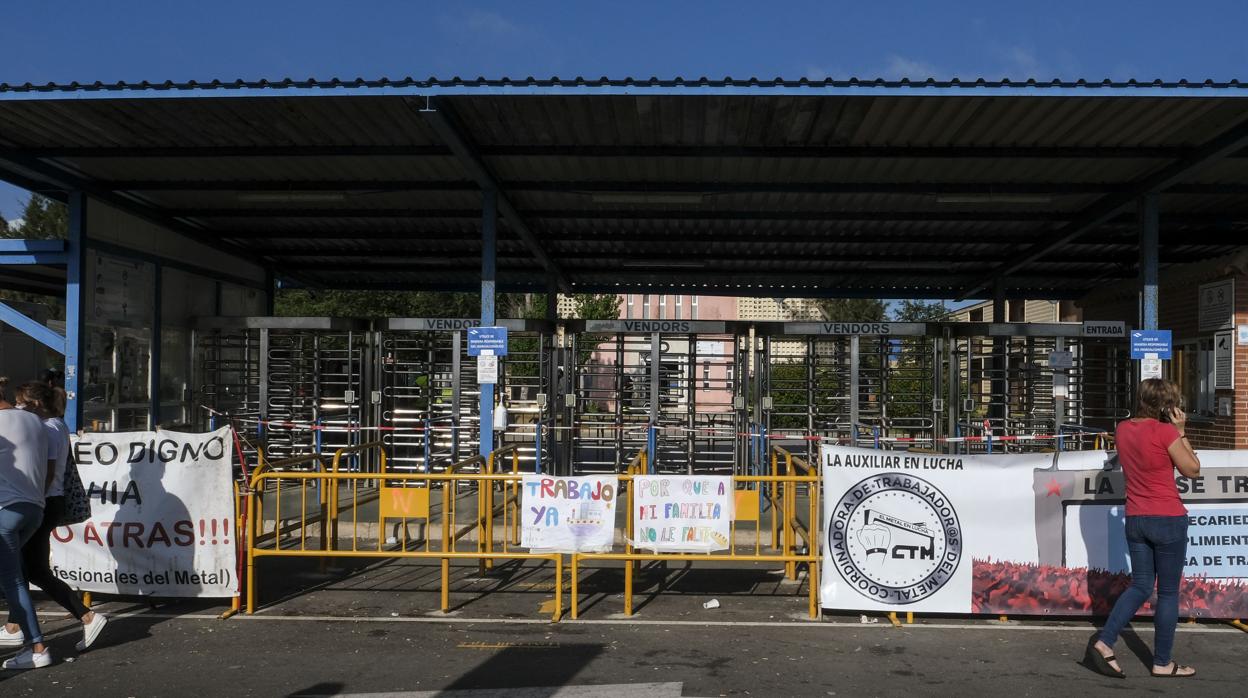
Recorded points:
491,339
1150,342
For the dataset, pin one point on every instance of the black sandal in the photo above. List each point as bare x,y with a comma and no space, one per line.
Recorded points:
1174,672
1094,660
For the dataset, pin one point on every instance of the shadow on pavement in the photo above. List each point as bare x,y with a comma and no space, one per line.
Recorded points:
516,667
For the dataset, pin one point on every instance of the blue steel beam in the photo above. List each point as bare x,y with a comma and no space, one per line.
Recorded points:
24,258
627,86
40,333
8,246
1147,208
153,374
1230,141
55,176
442,120
489,235
75,286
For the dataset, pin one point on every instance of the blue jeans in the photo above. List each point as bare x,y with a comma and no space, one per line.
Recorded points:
18,522
1158,549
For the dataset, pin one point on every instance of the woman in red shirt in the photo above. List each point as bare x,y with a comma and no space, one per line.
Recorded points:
1151,445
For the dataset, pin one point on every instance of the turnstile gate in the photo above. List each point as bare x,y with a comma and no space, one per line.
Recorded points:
1006,387
669,386
294,383
427,396
849,382
698,396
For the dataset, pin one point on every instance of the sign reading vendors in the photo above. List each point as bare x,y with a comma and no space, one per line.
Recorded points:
682,513
568,514
162,516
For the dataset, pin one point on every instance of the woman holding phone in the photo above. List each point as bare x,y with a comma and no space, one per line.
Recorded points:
1151,446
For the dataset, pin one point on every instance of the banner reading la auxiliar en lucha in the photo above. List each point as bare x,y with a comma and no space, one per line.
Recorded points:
162,516
1015,533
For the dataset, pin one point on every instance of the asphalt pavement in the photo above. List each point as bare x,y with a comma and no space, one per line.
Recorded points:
375,630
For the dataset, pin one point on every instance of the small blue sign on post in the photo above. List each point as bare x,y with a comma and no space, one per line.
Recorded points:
1144,342
492,340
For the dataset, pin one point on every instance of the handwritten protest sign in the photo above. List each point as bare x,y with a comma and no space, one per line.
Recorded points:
682,513
569,514
162,516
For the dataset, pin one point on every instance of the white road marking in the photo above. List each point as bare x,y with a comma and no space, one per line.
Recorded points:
613,690
835,625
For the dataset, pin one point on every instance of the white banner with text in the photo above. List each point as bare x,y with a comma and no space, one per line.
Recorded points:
162,516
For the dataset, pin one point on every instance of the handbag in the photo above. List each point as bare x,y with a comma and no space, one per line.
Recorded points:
77,504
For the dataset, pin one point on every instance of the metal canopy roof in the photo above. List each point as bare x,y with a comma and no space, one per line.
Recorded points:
734,187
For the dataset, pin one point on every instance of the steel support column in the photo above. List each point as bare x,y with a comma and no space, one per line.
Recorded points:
270,291
552,299
998,409
489,239
153,371
75,286
1147,210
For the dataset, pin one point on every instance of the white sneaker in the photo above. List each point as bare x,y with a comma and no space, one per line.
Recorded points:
8,639
28,659
90,631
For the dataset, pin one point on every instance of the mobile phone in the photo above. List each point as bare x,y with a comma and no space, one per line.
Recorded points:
1165,417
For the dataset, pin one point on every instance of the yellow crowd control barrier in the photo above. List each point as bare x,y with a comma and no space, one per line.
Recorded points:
401,497
785,524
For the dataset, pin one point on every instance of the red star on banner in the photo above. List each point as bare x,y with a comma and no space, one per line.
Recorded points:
1055,490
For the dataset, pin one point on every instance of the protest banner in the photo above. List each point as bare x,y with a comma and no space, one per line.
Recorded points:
1015,534
682,513
162,516
568,514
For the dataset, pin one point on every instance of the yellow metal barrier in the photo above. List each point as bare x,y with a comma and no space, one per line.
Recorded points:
783,497
398,500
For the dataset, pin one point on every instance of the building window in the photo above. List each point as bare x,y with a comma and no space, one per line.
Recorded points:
678,317
645,306
730,372
693,308
629,305
977,315
663,306
1192,369
706,375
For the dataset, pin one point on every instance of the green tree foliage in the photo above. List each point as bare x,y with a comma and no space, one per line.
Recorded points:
908,391
853,309
597,306
335,303
902,364
589,306
42,219
919,311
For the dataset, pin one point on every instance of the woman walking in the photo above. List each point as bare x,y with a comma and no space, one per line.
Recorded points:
24,479
45,403
1151,445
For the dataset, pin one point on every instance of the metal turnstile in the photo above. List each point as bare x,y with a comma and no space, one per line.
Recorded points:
850,382
667,386
427,396
1006,387
294,383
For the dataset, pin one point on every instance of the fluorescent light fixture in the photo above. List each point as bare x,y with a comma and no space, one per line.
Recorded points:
994,199
673,264
643,198
291,197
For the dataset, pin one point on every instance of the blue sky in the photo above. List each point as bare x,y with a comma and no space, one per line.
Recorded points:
145,40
